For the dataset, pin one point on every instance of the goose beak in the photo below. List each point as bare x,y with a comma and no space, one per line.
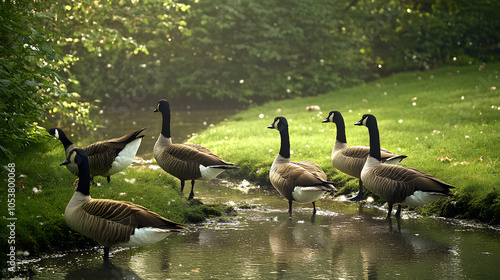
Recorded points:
155,110
270,127
360,122
65,162
325,120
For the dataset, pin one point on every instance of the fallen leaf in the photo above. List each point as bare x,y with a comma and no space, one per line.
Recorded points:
444,159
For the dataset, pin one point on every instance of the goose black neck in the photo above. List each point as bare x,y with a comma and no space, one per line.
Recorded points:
84,177
285,143
374,140
339,122
64,140
165,127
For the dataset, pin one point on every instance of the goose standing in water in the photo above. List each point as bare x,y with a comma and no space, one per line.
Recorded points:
185,161
111,222
304,181
397,184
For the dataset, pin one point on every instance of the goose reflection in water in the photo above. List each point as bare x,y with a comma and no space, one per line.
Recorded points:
298,242
105,271
374,240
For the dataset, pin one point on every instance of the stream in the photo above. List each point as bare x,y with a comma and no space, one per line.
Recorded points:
343,240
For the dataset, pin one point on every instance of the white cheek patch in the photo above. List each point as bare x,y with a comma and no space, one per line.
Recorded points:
56,134
72,157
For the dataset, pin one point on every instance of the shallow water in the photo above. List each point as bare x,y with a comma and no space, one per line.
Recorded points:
343,240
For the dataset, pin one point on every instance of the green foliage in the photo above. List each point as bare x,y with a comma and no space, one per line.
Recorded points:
255,51
408,35
30,85
116,44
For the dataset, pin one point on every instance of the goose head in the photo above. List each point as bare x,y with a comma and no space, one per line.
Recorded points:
279,123
333,116
367,120
163,106
56,132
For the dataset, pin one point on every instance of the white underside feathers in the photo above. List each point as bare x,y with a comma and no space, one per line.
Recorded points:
208,172
421,198
145,236
125,157
307,194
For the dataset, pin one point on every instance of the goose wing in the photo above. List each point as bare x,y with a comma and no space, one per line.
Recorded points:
196,153
114,145
394,183
127,214
361,152
313,168
290,175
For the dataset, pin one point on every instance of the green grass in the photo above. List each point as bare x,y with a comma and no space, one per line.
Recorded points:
455,117
40,225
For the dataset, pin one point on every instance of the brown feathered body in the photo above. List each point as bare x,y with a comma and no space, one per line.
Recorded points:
188,161
286,176
116,223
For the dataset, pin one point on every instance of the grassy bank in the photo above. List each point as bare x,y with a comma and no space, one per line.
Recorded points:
445,120
43,189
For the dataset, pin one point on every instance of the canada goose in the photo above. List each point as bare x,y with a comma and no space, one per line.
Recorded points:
350,160
397,184
303,181
105,157
111,222
185,161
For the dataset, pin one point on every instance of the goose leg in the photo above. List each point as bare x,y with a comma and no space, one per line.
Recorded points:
314,207
389,212
109,179
182,185
106,253
359,195
398,212
290,208
191,194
